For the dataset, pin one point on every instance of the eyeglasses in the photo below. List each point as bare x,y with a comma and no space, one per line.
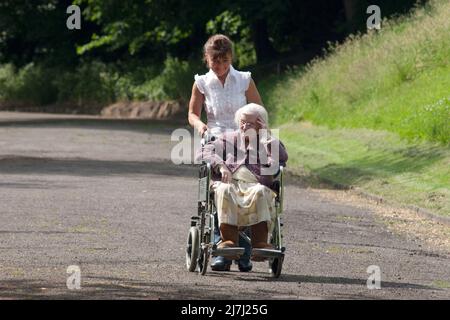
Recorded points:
243,123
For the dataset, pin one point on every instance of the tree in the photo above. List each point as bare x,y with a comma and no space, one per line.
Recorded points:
117,30
143,27
35,30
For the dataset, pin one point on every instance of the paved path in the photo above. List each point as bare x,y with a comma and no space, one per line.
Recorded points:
104,195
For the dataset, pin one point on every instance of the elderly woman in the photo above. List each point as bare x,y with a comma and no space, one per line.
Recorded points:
242,159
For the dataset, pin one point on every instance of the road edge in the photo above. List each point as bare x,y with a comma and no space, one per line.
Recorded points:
424,213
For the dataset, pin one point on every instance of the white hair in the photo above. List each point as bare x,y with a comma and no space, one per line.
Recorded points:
251,109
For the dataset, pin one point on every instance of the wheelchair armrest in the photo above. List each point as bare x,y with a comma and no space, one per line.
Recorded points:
276,186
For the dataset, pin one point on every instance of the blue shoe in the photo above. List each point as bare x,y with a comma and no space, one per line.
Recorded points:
244,264
220,264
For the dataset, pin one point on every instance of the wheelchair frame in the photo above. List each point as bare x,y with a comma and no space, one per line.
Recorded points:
200,242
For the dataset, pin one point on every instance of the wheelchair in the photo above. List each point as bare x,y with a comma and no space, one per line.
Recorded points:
200,241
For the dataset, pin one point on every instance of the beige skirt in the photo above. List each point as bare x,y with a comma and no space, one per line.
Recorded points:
244,201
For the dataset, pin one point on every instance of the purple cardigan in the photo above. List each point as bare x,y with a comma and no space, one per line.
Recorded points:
229,149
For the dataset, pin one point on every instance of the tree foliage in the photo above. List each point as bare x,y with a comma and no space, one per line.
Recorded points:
152,30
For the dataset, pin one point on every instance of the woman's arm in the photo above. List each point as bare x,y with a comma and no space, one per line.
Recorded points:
252,94
195,110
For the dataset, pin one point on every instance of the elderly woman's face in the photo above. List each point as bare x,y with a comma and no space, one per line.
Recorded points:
249,121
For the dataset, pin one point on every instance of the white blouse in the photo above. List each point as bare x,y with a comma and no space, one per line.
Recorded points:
222,101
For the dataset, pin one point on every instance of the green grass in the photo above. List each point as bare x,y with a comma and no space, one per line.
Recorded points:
378,161
441,284
397,80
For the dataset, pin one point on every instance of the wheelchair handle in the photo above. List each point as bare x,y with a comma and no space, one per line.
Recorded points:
207,137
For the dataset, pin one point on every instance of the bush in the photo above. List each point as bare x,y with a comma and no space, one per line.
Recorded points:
32,84
173,83
7,77
90,82
95,83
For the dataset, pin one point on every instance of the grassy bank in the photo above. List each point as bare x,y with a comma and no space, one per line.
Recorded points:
378,161
397,79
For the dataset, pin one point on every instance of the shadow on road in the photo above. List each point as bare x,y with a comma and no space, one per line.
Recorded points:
349,281
140,125
95,287
89,167
111,288
261,276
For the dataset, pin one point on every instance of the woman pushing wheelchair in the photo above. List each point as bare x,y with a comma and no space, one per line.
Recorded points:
222,91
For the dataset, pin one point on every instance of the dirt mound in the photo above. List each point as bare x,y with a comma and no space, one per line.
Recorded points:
145,110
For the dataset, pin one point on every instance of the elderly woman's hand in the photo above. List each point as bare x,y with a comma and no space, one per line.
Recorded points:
226,174
267,135
261,123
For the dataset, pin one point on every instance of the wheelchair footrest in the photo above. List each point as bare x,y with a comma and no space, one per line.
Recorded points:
267,253
227,252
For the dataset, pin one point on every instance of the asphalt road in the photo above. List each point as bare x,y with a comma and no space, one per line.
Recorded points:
103,195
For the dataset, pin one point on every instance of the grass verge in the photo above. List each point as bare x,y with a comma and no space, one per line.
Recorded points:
380,162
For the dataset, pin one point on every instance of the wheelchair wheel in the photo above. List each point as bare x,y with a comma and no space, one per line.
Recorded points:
203,261
275,266
192,249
